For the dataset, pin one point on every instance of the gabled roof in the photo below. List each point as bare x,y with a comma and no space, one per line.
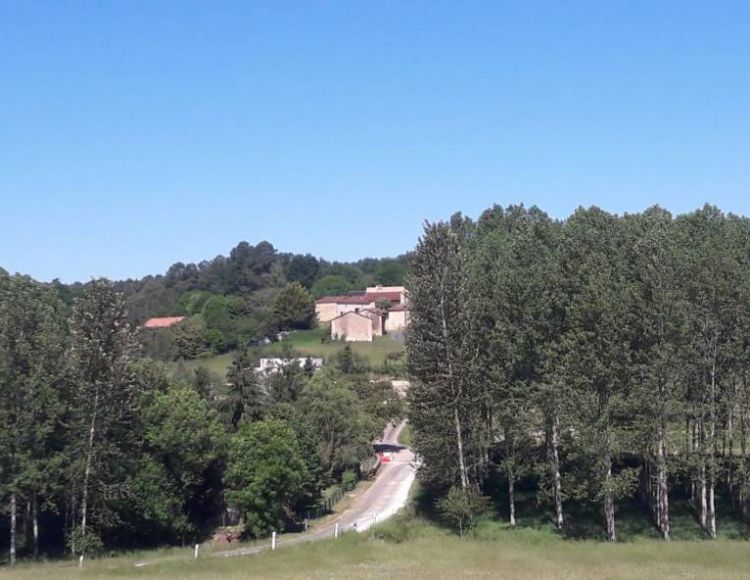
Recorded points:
344,300
163,322
368,298
352,313
394,297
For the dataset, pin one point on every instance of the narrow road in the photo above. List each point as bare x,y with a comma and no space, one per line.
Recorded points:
388,494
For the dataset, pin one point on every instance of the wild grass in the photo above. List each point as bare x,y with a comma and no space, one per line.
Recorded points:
410,546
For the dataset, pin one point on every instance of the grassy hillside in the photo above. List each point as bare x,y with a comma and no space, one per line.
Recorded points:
410,547
308,343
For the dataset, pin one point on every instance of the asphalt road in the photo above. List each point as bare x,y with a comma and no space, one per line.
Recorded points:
388,494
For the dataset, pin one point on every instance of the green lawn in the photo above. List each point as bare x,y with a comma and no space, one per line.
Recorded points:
412,548
308,343
406,436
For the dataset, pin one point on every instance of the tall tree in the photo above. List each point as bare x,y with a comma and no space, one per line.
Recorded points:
105,405
32,378
444,413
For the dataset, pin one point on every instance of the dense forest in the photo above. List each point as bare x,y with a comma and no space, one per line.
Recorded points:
598,360
103,447
236,300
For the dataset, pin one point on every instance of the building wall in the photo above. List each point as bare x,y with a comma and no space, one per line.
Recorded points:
354,327
376,320
326,311
397,320
344,308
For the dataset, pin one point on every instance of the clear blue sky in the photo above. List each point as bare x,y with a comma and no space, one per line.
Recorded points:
136,134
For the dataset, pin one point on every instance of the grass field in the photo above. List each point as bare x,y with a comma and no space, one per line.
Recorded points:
409,547
406,435
308,343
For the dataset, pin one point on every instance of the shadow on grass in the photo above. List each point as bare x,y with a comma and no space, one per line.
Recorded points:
584,521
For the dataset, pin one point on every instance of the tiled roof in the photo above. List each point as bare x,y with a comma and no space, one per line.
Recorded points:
368,298
375,296
164,322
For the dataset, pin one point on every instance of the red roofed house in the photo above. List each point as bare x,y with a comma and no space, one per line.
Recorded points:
163,322
358,317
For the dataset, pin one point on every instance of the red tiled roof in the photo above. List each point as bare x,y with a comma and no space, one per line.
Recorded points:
164,322
328,300
394,297
368,298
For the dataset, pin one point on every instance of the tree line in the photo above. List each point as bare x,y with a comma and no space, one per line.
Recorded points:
233,301
101,447
602,359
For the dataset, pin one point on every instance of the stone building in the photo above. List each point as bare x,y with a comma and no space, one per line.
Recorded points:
385,307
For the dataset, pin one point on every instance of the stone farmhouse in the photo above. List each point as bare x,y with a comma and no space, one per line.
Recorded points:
362,315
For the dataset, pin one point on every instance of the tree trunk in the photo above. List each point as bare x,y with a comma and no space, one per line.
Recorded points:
711,504
554,460
703,499
460,444
609,503
13,528
511,498
662,487
456,388
711,509
35,525
87,470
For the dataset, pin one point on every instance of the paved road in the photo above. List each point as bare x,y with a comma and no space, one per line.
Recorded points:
388,494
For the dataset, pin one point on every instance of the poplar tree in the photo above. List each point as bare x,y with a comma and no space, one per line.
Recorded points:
707,280
105,405
598,358
659,312
444,413
32,343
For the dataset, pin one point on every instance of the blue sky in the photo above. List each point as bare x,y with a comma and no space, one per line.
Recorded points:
136,134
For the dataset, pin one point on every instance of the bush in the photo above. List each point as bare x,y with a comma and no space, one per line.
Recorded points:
348,480
462,507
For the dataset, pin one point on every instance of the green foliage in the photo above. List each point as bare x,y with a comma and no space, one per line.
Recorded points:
294,307
330,404
462,507
348,480
331,285
183,440
265,474
242,397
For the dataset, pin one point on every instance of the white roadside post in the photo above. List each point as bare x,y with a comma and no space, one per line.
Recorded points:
273,541
80,561
336,530
195,551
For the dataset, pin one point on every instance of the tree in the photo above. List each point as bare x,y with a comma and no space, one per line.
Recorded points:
331,285
265,475
182,439
346,429
243,397
294,307
518,304
105,402
32,379
461,508
444,411
303,269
